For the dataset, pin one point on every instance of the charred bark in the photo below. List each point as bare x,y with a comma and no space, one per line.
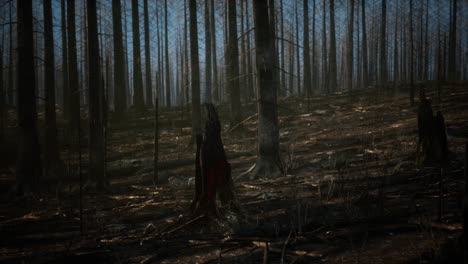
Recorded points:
432,136
28,166
212,171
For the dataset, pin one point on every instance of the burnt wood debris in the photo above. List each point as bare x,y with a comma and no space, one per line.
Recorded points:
212,171
432,137
233,131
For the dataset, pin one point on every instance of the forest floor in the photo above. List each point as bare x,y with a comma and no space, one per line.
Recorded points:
352,193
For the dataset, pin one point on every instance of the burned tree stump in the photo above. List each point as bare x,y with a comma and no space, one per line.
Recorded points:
212,171
432,136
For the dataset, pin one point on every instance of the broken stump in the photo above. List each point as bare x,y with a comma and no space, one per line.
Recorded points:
213,181
432,137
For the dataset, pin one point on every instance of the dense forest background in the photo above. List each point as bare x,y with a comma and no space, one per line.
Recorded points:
354,36
164,131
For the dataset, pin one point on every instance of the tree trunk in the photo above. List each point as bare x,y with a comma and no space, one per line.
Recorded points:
207,53
411,68
10,88
426,44
298,64
365,72
358,51
186,56
332,76
282,88
179,70
128,98
159,81
85,61
96,95
51,155
268,163
28,166
291,61
119,62
137,79
74,99
166,45
404,52
242,65
349,77
383,49
249,78
195,70
325,84
272,12
233,64
2,97
149,89
156,141
306,55
453,43
420,54
66,91
395,49
226,41
213,51
314,81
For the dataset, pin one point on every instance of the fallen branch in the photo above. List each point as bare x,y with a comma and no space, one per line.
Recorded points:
242,122
183,225
284,247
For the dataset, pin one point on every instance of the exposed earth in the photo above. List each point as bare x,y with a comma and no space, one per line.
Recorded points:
353,191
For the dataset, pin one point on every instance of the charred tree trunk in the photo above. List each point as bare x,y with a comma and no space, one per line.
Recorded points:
159,81
411,60
282,89
395,49
383,49
314,81
213,51
119,62
306,55
2,98
333,74
272,13
298,64
233,64
465,207
268,163
66,91
432,135
74,98
213,172
28,166
96,99
452,43
207,53
156,140
10,88
186,58
149,89
349,52
195,70
166,45
242,65
249,78
138,101
51,155
85,62
365,72
325,84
